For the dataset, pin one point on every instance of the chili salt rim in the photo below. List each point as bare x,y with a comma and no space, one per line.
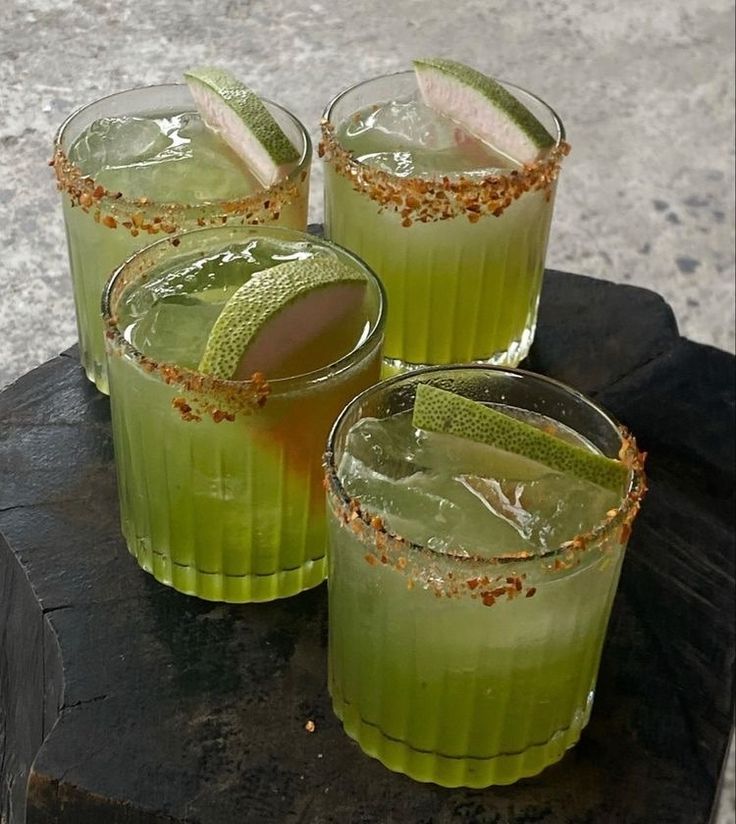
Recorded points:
137,215
230,397
428,200
393,550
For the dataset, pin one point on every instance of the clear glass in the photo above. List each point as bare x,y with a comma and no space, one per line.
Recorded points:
461,289
460,670
103,229
221,494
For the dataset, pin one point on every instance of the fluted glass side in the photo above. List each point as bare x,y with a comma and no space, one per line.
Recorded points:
458,291
228,510
451,691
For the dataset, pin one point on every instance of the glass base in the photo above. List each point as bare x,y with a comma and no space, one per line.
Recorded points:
512,356
457,771
97,373
234,589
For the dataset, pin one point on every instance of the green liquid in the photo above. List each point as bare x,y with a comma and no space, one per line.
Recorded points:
458,291
447,689
168,157
224,509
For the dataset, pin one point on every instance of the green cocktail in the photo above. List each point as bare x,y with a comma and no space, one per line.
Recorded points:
465,652
457,231
141,164
220,480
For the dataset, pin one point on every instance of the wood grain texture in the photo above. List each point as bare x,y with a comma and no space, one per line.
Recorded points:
151,706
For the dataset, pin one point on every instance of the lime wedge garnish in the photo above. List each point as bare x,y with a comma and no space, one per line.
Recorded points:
278,311
482,107
437,410
238,115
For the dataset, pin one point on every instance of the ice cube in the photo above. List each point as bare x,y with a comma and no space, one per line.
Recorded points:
388,450
428,163
176,328
408,506
407,138
503,500
404,125
118,142
400,164
547,511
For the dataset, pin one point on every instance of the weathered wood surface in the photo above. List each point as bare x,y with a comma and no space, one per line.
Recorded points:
123,701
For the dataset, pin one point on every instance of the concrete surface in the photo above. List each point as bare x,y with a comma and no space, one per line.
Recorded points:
645,89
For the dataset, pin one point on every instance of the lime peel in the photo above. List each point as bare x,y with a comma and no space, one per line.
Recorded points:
483,107
277,311
438,410
239,116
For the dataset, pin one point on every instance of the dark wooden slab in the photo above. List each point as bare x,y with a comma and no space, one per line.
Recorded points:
123,701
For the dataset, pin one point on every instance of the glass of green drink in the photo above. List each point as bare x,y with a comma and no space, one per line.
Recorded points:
140,164
220,480
456,230
470,587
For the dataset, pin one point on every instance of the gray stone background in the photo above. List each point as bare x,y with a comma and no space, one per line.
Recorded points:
645,89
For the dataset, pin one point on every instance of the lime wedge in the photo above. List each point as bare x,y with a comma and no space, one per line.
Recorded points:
238,115
482,107
278,311
437,410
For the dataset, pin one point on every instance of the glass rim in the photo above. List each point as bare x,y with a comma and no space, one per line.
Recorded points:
427,199
326,114
189,376
303,163
620,518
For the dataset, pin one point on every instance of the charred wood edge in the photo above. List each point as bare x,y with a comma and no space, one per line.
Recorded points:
32,677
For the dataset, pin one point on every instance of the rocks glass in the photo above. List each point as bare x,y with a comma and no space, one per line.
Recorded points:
221,481
461,254
105,226
470,669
